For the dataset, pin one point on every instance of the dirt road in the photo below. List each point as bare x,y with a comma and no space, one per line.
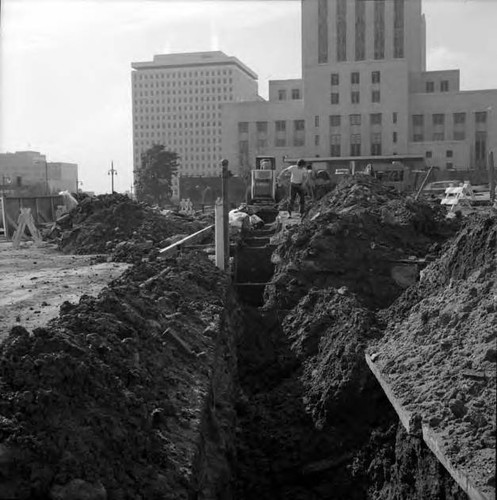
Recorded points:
35,281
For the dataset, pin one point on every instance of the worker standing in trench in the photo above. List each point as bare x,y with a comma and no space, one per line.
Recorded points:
298,177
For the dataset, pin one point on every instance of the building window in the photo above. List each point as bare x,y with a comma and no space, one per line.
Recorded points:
282,95
375,144
449,165
480,148
355,97
449,153
417,120
379,29
261,127
354,77
280,125
355,119
394,137
375,96
355,145
430,87
438,119
335,79
341,30
335,120
438,136
316,121
295,94
18,180
323,31
459,135
242,127
335,149
298,125
481,117
375,77
360,30
394,117
418,138
444,86
429,154
398,29
334,98
459,118
375,118
262,144
316,140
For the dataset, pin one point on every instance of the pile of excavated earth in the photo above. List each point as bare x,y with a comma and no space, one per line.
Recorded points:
166,386
125,229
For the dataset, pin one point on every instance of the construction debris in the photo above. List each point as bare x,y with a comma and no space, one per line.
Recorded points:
115,224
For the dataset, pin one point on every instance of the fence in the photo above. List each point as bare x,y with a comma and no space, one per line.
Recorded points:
43,209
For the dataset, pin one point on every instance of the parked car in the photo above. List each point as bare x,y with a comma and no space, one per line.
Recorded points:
438,188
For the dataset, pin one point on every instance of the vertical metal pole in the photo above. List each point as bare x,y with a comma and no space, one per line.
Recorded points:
46,177
218,234
491,176
224,194
112,177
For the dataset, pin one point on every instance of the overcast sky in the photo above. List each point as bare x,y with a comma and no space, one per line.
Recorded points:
65,65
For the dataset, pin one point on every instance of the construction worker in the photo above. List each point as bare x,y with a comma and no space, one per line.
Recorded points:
298,177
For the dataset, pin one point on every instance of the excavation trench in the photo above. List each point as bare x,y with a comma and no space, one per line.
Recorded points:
283,450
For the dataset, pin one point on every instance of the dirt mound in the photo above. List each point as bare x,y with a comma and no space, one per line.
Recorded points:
438,351
358,236
117,225
109,398
329,331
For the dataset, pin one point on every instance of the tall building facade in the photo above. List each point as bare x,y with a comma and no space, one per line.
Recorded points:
177,101
366,95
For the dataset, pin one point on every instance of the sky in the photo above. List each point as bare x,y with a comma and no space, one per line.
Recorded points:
65,66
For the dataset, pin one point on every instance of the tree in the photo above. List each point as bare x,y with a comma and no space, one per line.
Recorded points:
154,178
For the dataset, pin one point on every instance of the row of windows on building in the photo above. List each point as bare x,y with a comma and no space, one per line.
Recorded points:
180,138
458,118
355,78
430,86
182,108
341,29
183,124
218,97
355,97
295,94
144,75
184,90
177,83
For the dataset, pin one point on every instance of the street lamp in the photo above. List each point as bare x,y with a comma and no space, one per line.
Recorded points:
112,172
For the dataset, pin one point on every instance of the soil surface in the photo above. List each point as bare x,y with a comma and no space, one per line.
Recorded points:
439,353
35,281
127,230
114,399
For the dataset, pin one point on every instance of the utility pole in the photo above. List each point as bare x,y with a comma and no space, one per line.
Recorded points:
491,176
47,190
224,193
112,172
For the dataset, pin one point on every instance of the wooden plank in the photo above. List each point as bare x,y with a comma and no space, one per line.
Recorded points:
432,440
404,415
175,246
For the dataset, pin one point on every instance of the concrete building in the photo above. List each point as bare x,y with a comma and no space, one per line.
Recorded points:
177,101
27,173
365,95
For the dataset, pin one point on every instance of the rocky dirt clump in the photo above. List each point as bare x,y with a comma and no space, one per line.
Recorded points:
117,398
352,237
438,352
117,225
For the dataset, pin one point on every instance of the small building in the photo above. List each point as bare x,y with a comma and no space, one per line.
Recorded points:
27,173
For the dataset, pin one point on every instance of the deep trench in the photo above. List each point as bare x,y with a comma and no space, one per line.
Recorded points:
280,453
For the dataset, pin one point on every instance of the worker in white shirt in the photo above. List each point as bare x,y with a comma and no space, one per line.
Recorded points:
298,176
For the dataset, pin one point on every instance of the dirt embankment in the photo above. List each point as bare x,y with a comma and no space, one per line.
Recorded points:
353,237
439,355
117,225
127,395
333,273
